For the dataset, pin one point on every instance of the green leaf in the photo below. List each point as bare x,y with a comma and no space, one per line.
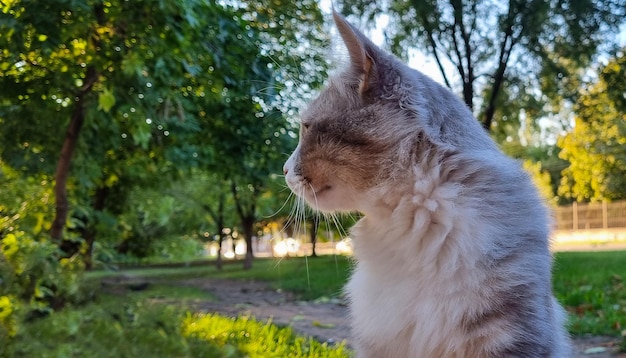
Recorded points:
106,100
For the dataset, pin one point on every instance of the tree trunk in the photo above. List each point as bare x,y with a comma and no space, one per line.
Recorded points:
315,224
63,166
218,260
218,216
248,230
247,215
67,150
220,240
89,232
506,48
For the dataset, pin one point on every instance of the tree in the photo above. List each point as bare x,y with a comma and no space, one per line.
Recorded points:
596,146
64,58
209,193
129,93
515,49
541,179
145,91
252,132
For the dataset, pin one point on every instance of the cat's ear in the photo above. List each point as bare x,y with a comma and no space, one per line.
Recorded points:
359,48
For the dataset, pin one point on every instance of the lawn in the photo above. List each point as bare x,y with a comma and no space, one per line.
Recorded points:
309,278
133,324
591,286
143,322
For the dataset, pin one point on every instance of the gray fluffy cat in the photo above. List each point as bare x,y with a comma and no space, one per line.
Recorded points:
452,253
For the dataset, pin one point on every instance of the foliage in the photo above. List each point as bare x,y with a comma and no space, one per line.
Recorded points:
542,181
168,249
34,279
596,147
8,319
32,271
25,202
145,92
256,340
502,56
103,105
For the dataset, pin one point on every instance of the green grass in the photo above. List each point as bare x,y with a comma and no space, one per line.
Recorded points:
589,284
591,287
309,278
126,327
109,327
155,321
142,323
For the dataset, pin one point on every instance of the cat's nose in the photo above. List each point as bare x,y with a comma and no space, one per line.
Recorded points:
285,170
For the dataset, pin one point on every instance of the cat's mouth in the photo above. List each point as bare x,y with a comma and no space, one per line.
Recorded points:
316,197
314,193
321,190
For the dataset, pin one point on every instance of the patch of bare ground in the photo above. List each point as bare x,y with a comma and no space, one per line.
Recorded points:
325,319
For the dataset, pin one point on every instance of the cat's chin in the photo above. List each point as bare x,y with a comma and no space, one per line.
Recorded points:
328,199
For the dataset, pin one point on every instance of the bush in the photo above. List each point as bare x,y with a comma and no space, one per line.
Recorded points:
34,280
8,321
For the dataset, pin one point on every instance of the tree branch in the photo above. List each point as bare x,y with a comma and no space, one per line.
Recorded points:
428,28
506,48
468,75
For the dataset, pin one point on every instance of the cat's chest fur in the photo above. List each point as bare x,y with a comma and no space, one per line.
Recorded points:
416,276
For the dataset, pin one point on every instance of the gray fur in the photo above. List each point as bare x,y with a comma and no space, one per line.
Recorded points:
452,254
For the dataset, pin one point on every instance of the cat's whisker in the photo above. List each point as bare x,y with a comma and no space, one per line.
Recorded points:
314,194
281,208
294,217
293,214
337,223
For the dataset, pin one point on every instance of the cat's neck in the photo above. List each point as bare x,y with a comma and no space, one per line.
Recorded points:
418,180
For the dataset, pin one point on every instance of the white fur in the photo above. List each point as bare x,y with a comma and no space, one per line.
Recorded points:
414,278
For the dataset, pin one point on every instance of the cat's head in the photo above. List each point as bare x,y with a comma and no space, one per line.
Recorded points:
362,130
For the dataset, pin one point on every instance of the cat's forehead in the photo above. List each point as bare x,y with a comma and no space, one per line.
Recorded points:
335,98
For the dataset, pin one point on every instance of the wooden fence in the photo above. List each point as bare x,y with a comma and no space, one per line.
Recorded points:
588,216
599,224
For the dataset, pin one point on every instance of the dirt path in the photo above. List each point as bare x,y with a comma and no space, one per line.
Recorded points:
326,321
